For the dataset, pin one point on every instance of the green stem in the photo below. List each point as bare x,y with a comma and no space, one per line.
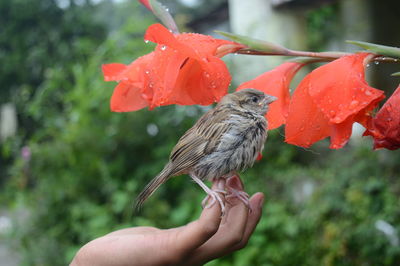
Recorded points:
324,56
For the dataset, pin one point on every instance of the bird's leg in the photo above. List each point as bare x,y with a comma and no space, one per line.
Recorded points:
237,193
212,193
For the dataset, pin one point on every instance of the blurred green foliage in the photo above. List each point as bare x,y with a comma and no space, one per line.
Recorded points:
88,164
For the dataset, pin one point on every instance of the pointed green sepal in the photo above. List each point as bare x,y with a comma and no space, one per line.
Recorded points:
396,74
378,49
255,44
162,13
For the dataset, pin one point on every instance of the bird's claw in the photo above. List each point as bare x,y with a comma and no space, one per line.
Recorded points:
241,195
213,196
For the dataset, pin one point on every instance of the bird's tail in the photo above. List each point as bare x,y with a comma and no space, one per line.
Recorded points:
151,187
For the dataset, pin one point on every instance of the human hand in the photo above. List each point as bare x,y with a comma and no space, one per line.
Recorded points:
208,238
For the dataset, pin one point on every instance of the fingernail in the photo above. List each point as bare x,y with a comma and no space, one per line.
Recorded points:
235,182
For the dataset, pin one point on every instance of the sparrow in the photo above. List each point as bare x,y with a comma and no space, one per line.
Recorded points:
225,140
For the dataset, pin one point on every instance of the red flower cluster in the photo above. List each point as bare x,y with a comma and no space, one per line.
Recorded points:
184,69
329,100
325,104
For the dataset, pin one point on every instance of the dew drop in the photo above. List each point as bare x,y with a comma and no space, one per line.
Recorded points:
147,72
376,62
368,65
336,120
302,128
362,89
146,41
368,93
354,104
332,113
163,48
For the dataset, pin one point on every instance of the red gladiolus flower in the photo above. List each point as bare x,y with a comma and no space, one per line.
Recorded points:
385,126
329,100
184,69
276,83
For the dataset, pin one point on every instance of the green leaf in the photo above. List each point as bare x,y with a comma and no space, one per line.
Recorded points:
162,13
255,44
377,48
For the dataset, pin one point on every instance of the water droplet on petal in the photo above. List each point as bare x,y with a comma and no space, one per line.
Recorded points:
147,72
146,41
354,104
376,62
332,113
368,93
368,65
335,146
163,47
336,120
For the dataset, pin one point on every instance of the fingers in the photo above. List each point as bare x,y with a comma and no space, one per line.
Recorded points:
236,228
198,232
256,203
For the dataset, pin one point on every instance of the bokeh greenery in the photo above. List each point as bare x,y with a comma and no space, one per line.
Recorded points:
88,164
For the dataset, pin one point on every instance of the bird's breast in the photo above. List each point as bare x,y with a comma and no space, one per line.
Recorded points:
238,147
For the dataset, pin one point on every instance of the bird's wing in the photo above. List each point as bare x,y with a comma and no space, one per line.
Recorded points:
200,140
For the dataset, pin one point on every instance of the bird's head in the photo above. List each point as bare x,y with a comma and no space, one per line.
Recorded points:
249,100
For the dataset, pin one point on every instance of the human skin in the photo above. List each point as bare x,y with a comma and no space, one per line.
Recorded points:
208,238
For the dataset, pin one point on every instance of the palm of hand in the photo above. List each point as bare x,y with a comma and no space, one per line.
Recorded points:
209,237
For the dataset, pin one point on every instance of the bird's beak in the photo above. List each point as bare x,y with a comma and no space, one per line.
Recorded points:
270,99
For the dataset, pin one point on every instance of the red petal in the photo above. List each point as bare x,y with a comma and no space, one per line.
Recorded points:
339,88
126,98
275,82
190,44
185,70
205,45
385,126
157,33
113,71
202,82
305,124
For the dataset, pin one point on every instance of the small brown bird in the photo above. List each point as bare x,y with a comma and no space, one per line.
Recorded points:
223,141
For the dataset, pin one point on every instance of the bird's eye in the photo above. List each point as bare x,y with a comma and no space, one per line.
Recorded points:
254,99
